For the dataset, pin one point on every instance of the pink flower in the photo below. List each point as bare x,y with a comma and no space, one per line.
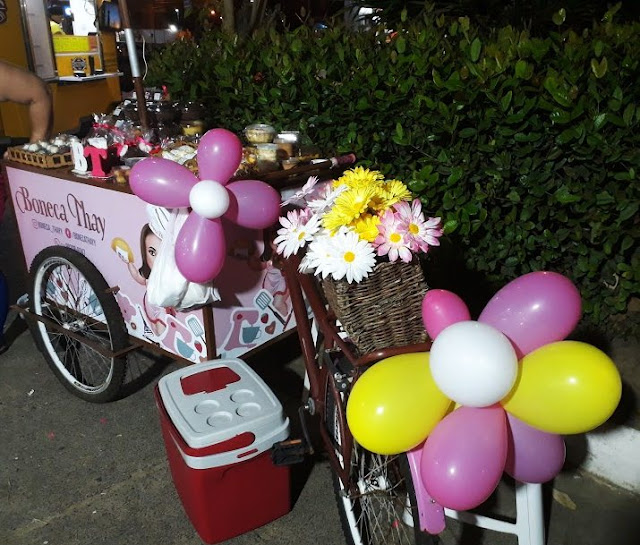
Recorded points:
301,195
298,228
393,239
421,233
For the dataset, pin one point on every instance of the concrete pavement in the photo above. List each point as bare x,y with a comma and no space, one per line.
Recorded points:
75,473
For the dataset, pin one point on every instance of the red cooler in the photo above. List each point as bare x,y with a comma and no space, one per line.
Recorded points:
219,422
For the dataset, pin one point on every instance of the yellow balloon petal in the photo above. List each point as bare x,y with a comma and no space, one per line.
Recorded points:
565,387
395,404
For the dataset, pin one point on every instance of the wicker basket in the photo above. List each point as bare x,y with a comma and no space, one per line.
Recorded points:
383,310
57,160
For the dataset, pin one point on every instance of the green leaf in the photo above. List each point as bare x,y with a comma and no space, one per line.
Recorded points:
599,69
521,69
506,101
599,121
401,44
564,196
627,116
399,130
467,132
617,93
450,226
476,48
559,17
557,91
456,174
296,45
629,211
598,47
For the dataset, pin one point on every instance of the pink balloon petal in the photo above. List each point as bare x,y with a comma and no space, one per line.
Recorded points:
464,457
533,456
162,182
219,155
200,249
442,308
533,310
253,204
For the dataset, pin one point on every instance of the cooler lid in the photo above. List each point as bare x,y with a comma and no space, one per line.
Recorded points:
217,400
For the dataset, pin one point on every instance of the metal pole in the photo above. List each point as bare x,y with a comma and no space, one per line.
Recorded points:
135,66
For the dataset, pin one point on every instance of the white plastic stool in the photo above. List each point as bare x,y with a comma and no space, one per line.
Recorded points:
529,524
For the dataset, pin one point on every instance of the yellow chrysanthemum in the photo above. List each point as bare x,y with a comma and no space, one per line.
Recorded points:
396,191
334,219
380,200
366,226
359,177
349,205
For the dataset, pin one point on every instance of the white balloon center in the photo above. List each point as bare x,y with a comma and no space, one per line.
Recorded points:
209,199
473,363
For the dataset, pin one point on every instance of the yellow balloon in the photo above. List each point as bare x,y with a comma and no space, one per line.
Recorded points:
565,387
395,404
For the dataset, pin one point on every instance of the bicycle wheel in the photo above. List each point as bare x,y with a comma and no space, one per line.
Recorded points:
69,291
379,506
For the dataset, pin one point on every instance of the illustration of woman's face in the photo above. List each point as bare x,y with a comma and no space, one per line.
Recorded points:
151,245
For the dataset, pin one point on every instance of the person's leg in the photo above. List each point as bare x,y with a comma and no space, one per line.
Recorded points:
4,309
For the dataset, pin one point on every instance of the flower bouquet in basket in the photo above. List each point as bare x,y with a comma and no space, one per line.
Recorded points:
362,234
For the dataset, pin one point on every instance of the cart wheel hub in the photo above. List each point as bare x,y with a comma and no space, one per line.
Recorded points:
372,484
209,199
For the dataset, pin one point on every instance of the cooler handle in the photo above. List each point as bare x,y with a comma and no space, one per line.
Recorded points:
237,455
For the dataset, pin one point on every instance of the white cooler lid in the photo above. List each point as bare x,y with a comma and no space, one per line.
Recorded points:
208,418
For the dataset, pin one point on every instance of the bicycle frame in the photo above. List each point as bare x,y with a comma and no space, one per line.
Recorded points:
321,381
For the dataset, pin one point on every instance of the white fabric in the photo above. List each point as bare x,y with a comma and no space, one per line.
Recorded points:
167,287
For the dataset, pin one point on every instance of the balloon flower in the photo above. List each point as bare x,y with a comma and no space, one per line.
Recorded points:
517,384
200,246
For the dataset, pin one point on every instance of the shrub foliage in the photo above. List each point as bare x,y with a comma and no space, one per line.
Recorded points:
527,147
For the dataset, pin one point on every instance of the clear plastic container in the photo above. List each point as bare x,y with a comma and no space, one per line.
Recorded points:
267,152
259,133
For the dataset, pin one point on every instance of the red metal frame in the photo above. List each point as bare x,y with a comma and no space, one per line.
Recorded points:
322,382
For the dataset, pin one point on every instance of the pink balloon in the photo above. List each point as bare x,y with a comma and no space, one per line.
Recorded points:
253,204
200,249
442,308
162,182
219,155
463,458
533,310
533,456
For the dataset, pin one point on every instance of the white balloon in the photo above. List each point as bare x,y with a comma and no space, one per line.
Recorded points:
473,363
209,199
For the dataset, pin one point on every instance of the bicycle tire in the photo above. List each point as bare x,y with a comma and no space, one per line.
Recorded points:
384,511
68,289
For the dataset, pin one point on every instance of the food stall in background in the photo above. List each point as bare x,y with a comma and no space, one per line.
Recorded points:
59,41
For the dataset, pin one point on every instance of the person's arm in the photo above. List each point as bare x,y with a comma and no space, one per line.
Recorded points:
23,87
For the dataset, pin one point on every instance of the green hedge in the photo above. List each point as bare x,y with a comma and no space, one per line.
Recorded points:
527,147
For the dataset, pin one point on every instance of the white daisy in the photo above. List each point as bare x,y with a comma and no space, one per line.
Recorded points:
298,228
299,196
321,255
353,258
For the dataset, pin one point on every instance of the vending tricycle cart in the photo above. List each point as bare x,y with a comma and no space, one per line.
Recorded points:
86,244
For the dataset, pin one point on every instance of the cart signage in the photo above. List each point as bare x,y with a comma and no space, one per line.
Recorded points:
112,229
74,208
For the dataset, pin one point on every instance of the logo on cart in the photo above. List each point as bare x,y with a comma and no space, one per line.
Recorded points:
3,11
76,208
67,232
79,64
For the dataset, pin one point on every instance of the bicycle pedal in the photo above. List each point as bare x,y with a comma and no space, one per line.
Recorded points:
289,452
